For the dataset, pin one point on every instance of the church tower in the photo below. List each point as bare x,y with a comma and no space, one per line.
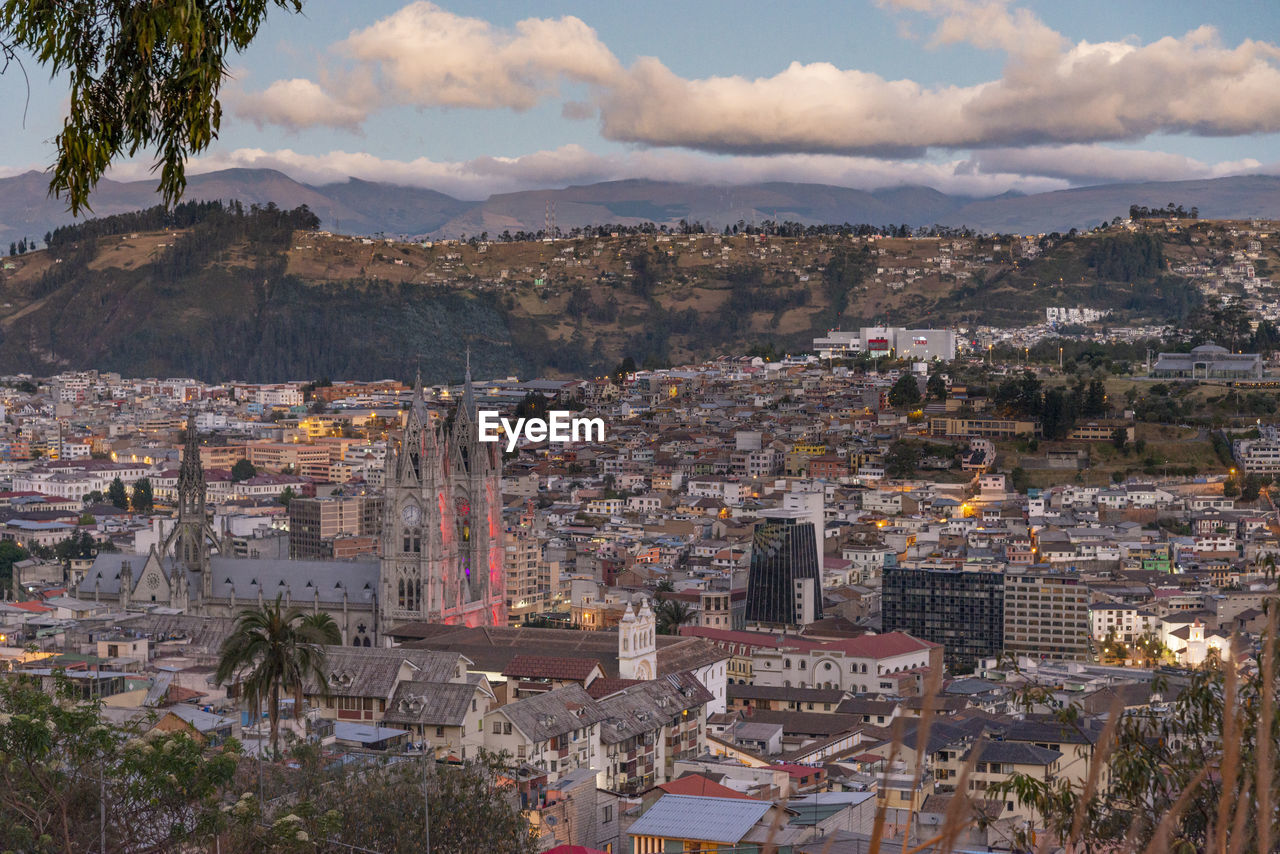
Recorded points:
637,643
442,553
190,538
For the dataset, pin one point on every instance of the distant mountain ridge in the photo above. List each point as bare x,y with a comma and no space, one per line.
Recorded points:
357,206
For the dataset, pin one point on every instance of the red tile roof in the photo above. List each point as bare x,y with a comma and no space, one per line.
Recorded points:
605,686
696,784
550,667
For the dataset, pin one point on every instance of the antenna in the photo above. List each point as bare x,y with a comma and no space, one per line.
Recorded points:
549,220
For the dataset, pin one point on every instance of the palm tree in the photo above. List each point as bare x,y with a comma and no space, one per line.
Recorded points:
672,614
273,651
664,586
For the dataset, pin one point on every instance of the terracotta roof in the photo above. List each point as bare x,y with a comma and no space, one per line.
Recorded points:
696,784
550,667
605,686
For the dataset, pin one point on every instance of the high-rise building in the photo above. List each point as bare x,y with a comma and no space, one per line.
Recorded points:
784,586
442,534
961,609
314,523
1046,615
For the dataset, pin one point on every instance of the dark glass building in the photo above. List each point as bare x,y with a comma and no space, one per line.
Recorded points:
784,587
962,610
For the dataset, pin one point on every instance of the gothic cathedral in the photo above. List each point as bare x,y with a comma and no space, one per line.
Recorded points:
442,552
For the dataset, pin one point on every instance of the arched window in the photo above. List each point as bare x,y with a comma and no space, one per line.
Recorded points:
624,643
366,641
355,641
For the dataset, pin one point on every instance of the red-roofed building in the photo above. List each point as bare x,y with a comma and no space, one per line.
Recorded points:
697,784
605,686
536,674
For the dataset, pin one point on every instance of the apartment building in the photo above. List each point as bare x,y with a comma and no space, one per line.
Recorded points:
315,523
1046,615
962,609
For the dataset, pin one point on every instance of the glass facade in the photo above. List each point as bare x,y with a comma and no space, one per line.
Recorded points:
782,553
962,610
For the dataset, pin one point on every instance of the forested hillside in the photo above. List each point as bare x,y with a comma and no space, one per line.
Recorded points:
259,293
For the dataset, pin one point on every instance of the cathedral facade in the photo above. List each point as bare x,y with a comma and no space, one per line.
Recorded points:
442,549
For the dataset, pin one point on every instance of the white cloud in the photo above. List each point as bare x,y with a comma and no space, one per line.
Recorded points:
1054,98
1093,164
481,177
297,104
1087,93
429,57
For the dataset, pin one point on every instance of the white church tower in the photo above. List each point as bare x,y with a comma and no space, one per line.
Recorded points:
637,643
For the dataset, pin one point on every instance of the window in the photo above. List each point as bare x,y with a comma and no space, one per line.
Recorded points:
506,729
439,732
606,815
497,727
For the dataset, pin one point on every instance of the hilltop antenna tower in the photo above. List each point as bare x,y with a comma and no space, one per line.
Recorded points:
549,220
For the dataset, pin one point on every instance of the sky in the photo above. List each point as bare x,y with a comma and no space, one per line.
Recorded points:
975,97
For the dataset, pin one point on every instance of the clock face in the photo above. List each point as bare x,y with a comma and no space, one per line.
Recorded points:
411,514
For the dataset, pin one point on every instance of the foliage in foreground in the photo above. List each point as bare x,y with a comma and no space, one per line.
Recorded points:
163,793
1196,776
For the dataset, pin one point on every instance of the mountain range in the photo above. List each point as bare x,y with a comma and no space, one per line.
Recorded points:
365,207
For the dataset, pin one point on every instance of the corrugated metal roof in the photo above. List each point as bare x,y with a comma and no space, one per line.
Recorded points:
724,820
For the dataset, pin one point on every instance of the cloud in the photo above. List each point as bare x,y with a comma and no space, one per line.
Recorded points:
1094,164
481,177
297,104
1052,93
429,57
1109,91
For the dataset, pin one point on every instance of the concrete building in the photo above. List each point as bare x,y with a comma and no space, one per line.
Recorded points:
1046,615
1208,361
314,523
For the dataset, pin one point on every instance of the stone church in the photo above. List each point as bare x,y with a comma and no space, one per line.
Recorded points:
441,558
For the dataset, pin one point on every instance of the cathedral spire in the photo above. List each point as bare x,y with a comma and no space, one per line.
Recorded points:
190,472
468,390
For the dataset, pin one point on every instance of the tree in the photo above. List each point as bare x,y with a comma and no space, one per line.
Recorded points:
64,766
273,651
286,495
1252,486
143,499
10,553
671,615
78,546
142,76
901,459
243,470
379,807
94,497
905,392
1230,488
664,587
1120,438
1095,399
1182,779
936,387
117,495
624,369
